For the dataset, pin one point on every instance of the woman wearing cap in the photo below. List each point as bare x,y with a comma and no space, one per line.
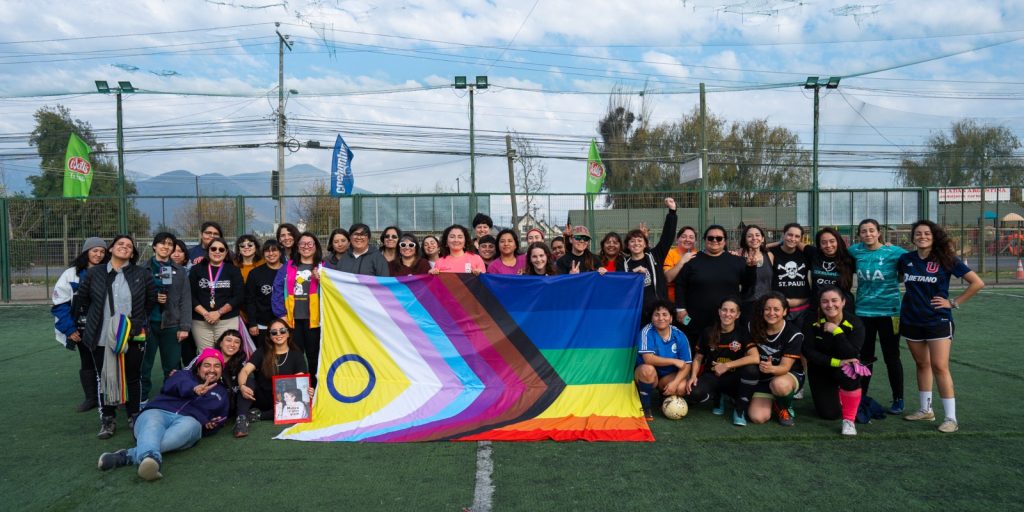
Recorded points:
278,356
454,256
117,299
540,262
579,259
259,290
296,297
217,295
65,319
709,277
408,262
509,261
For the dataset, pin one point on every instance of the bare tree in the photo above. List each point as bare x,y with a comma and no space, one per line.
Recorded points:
223,210
320,211
531,174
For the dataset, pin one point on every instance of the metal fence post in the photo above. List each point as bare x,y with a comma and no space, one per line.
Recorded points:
5,252
357,208
240,216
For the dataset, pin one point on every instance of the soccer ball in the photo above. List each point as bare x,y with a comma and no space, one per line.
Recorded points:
674,408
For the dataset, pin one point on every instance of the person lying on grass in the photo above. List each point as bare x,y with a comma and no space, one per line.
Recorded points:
191,404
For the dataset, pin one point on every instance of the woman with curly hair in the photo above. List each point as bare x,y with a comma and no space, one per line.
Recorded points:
926,315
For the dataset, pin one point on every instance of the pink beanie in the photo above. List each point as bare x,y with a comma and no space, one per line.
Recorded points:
210,352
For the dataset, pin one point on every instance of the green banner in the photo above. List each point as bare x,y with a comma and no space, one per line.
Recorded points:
595,170
77,168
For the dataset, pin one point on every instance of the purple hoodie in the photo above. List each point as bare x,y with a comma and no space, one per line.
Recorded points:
177,396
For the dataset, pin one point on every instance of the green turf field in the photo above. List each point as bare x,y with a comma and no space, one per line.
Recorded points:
701,462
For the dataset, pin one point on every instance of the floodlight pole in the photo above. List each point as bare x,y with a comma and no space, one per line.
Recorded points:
282,41
813,83
462,83
122,198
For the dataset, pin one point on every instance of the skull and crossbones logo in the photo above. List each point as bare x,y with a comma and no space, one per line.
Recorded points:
791,270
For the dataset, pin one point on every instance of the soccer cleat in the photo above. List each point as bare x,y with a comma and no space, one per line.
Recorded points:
648,414
949,426
928,415
241,426
720,409
897,406
739,419
108,426
849,428
786,416
113,460
149,469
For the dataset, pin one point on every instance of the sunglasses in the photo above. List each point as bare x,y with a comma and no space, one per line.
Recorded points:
278,332
581,238
390,237
715,238
407,245
247,246
218,249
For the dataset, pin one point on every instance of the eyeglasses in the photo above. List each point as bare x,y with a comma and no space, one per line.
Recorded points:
211,233
218,249
581,238
407,245
361,234
246,246
278,332
391,237
307,244
715,238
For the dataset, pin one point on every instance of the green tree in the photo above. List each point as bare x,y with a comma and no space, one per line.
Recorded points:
969,154
54,125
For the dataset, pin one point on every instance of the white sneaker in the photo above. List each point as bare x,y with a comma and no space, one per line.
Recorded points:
799,395
849,429
928,415
949,426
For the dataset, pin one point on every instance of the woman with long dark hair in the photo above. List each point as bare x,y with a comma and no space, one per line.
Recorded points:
926,315
878,305
727,357
247,255
259,291
431,249
65,319
286,235
540,260
648,261
685,250
389,242
779,344
117,298
230,345
832,346
611,251
454,254
752,247
791,272
508,261
831,263
279,355
296,297
578,258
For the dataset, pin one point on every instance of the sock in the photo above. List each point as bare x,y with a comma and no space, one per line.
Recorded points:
785,402
949,407
645,390
849,401
926,400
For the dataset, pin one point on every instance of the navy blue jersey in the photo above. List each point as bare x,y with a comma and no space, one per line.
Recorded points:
924,280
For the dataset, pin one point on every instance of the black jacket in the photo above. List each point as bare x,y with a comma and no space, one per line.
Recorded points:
92,295
655,259
258,290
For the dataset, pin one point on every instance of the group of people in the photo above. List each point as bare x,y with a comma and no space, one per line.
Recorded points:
757,321
753,325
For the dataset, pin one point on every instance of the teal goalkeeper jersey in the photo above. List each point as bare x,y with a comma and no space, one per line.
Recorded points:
878,286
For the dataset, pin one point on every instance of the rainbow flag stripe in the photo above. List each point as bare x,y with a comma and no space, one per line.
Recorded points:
464,358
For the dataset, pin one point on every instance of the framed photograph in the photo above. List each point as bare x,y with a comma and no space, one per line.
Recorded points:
292,403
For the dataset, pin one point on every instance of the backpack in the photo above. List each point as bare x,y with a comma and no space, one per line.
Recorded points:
869,409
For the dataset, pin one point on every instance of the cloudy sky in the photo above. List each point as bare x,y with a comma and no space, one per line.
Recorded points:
379,73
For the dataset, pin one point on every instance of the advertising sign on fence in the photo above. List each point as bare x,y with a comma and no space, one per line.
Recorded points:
958,195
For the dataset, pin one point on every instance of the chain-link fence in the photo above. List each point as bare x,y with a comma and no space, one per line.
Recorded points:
39,238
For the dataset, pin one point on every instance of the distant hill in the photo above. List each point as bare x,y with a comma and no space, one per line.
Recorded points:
255,186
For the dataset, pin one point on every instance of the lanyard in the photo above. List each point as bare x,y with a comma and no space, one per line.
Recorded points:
213,281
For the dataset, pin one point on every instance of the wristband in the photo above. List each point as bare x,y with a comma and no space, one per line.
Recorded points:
835,362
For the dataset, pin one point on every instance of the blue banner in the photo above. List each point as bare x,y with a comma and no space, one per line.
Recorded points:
342,180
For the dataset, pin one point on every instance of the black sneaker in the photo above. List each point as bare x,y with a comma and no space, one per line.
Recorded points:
241,426
108,426
87,405
113,460
254,415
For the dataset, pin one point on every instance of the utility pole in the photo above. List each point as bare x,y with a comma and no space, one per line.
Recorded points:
702,214
511,154
282,41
